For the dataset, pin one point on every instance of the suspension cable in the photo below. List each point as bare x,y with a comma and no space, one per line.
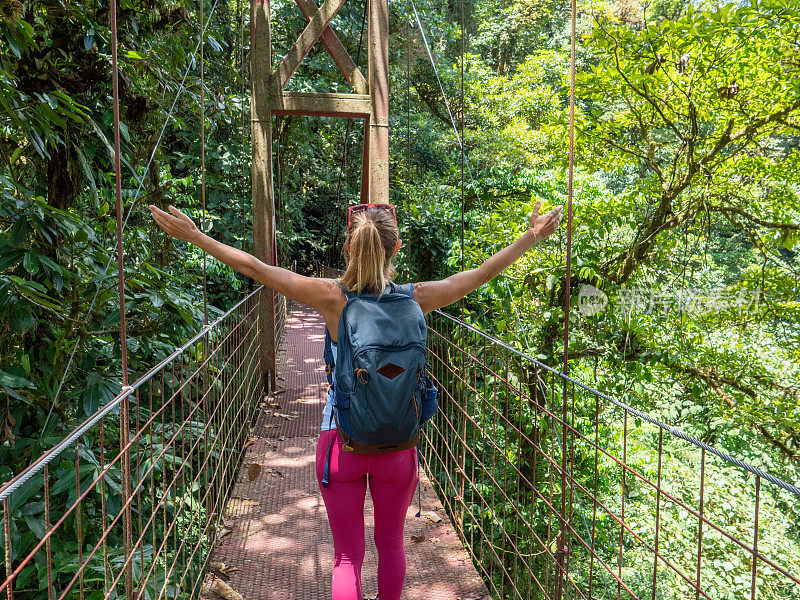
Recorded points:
281,127
343,163
118,192
568,284
244,124
203,152
563,540
478,195
493,243
408,95
124,416
125,221
358,61
463,120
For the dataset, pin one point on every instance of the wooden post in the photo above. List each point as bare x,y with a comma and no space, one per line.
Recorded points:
263,194
378,77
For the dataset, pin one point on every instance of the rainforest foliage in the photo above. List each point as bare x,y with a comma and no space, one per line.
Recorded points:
685,223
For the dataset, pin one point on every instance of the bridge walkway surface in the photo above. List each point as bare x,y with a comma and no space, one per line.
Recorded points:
275,540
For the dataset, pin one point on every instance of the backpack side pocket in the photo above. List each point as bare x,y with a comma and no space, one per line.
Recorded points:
430,398
341,411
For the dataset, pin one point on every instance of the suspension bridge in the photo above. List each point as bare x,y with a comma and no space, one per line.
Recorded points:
200,472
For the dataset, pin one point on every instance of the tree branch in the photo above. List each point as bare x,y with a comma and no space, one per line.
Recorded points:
716,382
755,219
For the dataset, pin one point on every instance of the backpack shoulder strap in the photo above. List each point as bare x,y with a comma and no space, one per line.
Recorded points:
347,292
407,289
327,356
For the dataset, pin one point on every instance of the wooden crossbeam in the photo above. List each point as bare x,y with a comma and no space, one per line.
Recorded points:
322,105
299,50
337,51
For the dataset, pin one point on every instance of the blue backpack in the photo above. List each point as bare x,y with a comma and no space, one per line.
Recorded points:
381,395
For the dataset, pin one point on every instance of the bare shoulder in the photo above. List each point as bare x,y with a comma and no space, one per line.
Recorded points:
330,292
422,296
330,303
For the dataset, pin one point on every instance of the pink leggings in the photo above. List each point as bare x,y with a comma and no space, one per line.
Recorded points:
392,479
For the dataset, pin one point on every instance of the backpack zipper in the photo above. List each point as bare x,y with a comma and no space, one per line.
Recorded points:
414,398
397,297
386,349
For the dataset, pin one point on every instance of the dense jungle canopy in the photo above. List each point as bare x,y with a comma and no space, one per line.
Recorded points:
686,216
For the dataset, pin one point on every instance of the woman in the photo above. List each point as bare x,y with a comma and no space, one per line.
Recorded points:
371,242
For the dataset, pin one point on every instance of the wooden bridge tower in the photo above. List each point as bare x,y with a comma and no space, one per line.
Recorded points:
369,101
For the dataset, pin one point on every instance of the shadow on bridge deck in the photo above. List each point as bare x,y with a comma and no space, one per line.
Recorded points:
280,541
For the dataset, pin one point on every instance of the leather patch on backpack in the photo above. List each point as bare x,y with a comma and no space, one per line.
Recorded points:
390,370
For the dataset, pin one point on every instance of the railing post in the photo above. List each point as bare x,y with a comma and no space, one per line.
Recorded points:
563,532
7,548
461,444
263,193
48,543
127,513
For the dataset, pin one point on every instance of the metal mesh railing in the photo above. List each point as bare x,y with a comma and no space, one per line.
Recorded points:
132,498
281,308
329,272
591,498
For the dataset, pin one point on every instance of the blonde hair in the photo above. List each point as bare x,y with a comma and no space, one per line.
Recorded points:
369,250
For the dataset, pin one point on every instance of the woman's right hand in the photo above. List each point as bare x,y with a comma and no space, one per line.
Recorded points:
177,224
543,225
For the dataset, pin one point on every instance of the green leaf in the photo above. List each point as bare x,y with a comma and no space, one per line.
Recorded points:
214,43
14,47
10,258
21,317
91,401
16,154
52,102
123,130
36,526
14,381
157,300
30,263
14,394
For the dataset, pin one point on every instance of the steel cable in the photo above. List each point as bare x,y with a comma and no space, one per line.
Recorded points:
130,210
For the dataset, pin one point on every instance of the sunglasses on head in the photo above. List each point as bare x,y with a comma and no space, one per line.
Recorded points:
359,207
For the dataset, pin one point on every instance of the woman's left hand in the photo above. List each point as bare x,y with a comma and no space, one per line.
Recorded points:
544,225
177,224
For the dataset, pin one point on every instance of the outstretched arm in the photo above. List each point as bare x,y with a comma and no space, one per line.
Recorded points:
306,290
435,294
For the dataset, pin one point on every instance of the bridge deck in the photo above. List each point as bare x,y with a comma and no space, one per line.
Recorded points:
280,540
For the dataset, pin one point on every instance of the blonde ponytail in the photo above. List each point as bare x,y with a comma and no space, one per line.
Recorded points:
369,249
